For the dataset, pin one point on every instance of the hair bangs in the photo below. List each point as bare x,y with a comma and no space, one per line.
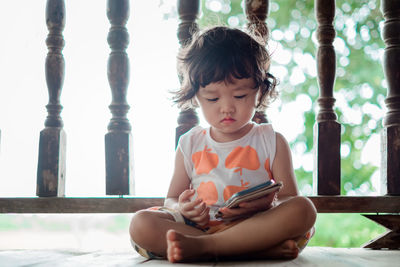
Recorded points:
224,65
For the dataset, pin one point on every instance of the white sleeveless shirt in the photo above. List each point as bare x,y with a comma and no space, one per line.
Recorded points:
219,170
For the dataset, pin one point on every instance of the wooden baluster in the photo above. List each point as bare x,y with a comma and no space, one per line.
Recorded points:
326,129
390,169
118,140
52,144
256,14
188,11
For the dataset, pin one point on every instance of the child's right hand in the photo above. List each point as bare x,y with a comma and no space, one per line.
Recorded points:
196,210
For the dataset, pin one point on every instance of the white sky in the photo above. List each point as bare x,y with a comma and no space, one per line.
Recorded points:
86,96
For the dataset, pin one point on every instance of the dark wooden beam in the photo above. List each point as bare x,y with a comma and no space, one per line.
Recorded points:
324,204
356,204
77,205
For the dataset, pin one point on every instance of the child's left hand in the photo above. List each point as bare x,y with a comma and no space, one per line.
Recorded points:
249,208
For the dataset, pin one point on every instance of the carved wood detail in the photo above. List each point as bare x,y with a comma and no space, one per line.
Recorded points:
52,144
256,13
187,119
390,169
118,140
326,129
188,11
390,239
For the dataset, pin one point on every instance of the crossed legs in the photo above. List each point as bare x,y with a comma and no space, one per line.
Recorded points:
270,234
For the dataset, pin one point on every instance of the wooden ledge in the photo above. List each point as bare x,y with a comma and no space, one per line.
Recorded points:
77,205
324,204
356,204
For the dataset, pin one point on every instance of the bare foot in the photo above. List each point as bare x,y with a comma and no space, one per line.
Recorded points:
184,248
286,250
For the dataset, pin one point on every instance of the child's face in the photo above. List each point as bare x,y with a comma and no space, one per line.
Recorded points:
228,107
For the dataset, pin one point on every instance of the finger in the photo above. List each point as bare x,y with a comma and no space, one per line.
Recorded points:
186,195
258,203
193,209
233,212
188,206
271,197
203,218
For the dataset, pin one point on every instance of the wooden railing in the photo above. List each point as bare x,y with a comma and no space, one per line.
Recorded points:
119,180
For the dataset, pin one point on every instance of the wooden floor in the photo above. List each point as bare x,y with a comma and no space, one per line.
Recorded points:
311,256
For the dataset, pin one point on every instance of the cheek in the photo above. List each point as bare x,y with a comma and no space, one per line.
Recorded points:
254,100
206,108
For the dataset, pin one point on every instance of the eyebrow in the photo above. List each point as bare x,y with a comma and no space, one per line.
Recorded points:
212,91
207,90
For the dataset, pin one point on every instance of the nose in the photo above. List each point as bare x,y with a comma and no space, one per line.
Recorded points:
227,106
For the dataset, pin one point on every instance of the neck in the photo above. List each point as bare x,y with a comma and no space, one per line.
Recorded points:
228,137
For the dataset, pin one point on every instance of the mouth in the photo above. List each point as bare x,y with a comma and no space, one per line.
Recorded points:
228,120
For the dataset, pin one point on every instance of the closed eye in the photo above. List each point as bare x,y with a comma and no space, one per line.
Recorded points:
240,96
212,99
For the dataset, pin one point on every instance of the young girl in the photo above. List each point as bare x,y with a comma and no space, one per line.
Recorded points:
224,72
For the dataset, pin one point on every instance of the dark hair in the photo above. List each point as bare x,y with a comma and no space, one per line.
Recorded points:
221,54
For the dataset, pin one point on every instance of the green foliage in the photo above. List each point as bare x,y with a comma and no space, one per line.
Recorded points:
8,223
344,230
32,222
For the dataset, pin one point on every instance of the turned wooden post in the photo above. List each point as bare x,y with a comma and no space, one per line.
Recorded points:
390,169
256,13
118,140
52,144
188,10
327,129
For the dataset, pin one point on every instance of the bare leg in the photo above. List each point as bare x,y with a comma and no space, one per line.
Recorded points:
148,229
270,234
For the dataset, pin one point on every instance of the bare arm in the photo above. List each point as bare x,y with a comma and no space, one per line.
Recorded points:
282,169
180,193
179,182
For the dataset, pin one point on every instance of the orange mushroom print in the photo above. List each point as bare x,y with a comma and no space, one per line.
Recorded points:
268,169
204,161
208,192
233,189
242,157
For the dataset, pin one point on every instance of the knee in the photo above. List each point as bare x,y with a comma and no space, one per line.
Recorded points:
305,209
141,225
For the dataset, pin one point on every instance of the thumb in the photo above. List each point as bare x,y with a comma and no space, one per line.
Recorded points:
186,195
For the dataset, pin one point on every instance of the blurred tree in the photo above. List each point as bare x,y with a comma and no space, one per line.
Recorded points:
359,88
